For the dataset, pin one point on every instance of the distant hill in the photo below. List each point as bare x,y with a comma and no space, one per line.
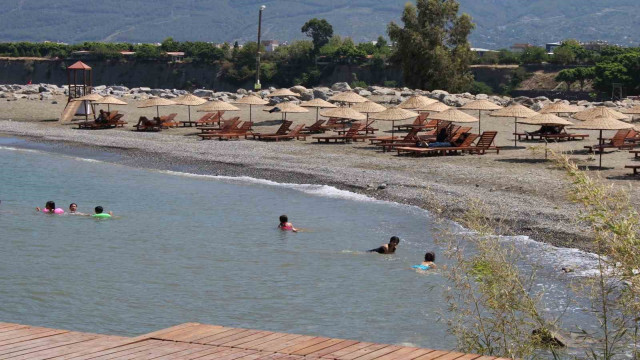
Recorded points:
500,22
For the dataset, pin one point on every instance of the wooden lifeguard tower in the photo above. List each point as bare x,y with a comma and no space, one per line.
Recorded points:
79,80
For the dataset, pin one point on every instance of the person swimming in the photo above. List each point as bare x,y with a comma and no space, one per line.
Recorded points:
73,210
389,248
100,214
428,263
50,208
285,225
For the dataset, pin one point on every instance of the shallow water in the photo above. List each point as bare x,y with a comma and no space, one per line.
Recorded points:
206,249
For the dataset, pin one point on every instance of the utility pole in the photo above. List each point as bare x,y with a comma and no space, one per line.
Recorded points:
257,85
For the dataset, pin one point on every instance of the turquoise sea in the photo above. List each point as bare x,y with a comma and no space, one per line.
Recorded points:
199,248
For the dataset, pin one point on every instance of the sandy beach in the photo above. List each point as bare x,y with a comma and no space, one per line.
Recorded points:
518,185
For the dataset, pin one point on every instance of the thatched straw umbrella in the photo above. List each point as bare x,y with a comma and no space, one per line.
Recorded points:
600,111
283,93
317,103
251,100
110,100
453,115
416,102
344,113
559,108
89,99
515,111
287,107
631,111
157,102
480,105
394,114
368,107
602,123
189,100
348,97
435,107
547,119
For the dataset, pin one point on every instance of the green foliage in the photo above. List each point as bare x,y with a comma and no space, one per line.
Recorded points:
479,87
506,57
319,30
533,55
390,83
623,68
432,47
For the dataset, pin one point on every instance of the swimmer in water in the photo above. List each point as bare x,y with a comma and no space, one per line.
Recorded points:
285,225
50,208
389,248
73,209
100,214
428,263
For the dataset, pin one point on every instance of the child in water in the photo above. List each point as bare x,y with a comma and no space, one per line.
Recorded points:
100,214
50,208
428,263
73,210
285,225
389,248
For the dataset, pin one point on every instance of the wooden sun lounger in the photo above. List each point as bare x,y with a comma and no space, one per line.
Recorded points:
144,124
293,134
224,126
332,124
315,128
618,141
636,153
282,130
634,168
232,133
351,135
419,122
216,118
169,121
203,120
464,146
412,135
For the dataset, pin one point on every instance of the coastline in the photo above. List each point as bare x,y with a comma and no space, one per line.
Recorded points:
519,198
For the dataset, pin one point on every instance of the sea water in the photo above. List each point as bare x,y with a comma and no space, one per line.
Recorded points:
207,249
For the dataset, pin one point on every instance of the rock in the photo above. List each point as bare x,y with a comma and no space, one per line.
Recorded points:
381,91
168,95
482,97
382,186
365,93
341,86
298,89
537,106
54,102
120,88
321,93
100,87
203,93
438,94
609,104
33,97
550,338
583,103
307,96
567,269
541,98
46,96
454,100
145,90
29,90
242,91
406,92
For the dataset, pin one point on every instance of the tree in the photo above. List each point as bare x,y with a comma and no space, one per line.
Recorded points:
319,30
432,47
564,56
533,55
381,42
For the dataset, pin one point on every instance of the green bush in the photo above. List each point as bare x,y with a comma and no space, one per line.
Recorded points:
479,87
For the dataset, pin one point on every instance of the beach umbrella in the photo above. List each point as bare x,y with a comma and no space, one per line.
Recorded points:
599,112
286,108
416,102
317,103
157,102
559,108
89,99
110,100
453,115
368,107
394,114
480,105
435,107
515,111
602,123
631,111
251,100
217,106
343,113
547,119
283,93
189,100
348,97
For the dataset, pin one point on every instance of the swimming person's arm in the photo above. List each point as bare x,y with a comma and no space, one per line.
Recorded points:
379,250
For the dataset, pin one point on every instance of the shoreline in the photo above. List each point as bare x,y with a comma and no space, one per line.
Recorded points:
445,193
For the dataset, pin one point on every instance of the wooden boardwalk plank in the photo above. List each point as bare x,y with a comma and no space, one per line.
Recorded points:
13,327
31,337
318,347
50,341
24,333
166,332
258,343
48,348
191,352
217,335
364,351
300,345
224,353
450,356
378,353
240,342
70,349
197,332
237,337
282,342
339,346
164,348
109,351
225,336
185,333
194,338
469,357
398,355
432,355
343,352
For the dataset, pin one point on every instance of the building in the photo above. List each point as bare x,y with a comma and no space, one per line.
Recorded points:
176,56
552,46
520,47
482,52
270,45
595,45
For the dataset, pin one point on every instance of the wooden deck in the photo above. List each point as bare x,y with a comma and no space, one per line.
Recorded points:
202,342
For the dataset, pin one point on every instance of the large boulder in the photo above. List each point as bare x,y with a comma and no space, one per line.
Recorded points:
321,93
120,88
203,93
298,89
365,93
341,86
382,91
609,104
482,97
242,91
307,96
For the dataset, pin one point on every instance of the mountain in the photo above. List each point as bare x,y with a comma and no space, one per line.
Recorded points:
500,23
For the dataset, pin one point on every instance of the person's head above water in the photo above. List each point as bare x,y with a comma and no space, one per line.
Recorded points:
284,219
73,207
394,240
50,205
98,209
430,257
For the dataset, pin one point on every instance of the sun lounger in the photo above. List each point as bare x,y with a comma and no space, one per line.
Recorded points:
333,124
203,120
412,135
225,125
419,122
315,128
282,130
169,121
351,135
144,124
231,133
618,141
634,167
464,146
293,134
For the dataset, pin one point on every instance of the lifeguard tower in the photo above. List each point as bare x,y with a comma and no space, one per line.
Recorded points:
79,80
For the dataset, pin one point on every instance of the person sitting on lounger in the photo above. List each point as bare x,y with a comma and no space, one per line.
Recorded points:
100,214
285,225
50,208
441,139
389,248
428,263
102,117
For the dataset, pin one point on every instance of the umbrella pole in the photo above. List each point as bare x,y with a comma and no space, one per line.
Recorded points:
515,137
317,113
601,149
189,107
393,126
479,122
158,111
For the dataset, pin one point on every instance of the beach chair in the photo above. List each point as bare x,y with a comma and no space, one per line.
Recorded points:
224,125
215,118
410,139
231,125
232,133
282,130
484,144
419,122
315,128
144,124
634,168
293,134
464,145
350,135
333,124
169,121
116,121
618,141
203,120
